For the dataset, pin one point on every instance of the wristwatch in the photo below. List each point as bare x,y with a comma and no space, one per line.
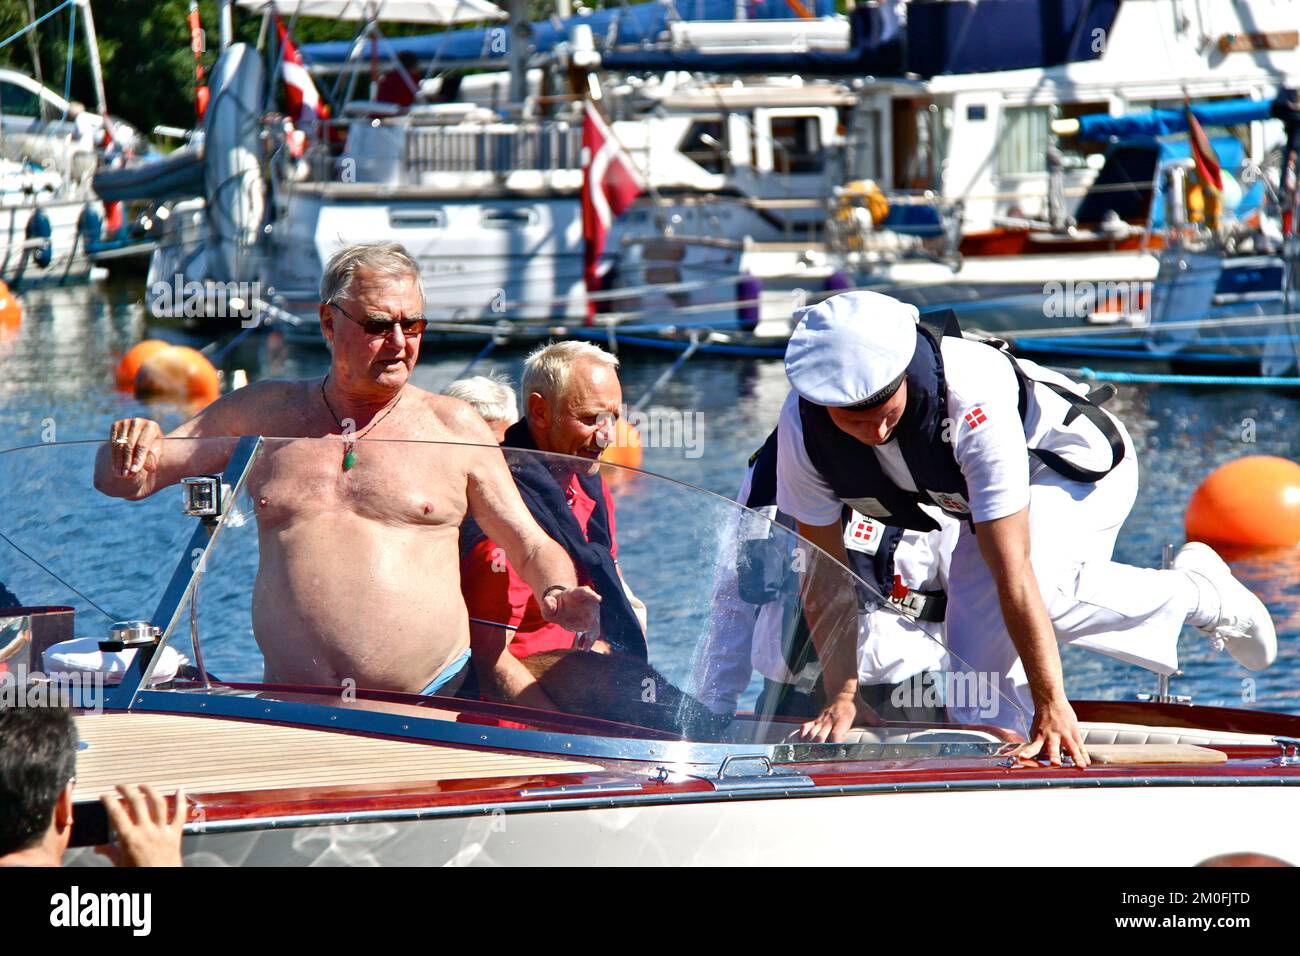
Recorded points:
554,587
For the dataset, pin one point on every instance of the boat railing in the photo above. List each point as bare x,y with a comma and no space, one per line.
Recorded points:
405,149
495,148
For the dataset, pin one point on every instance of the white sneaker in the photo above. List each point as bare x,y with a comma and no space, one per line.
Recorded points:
1244,626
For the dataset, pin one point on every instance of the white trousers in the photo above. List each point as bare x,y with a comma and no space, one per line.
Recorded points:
1134,614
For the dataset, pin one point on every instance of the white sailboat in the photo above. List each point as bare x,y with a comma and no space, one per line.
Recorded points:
52,224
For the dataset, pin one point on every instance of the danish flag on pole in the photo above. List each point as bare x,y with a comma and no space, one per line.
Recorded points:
303,102
610,183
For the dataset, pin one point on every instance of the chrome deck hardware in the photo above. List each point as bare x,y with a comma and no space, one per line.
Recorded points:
755,772
125,635
1290,756
1162,694
1013,761
204,496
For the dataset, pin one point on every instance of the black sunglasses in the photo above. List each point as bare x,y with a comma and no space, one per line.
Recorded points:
382,327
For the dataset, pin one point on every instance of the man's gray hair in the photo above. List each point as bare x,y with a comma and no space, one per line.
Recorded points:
384,258
547,368
490,396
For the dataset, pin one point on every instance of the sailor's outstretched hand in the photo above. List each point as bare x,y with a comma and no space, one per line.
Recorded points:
833,723
574,609
1055,731
136,444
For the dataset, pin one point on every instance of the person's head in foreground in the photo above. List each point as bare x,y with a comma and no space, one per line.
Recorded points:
38,758
572,398
38,762
492,397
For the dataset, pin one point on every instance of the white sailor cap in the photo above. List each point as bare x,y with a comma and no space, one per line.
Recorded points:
851,349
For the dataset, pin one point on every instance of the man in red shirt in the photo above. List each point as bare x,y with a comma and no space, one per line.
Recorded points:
572,401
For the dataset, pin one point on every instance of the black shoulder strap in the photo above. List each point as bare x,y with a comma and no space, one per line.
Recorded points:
1093,413
1089,407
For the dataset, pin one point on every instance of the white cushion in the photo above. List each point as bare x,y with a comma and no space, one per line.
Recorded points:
82,655
1104,733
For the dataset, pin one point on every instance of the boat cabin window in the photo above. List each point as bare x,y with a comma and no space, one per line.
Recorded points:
796,144
862,146
920,142
705,144
1022,142
17,101
1075,152
508,218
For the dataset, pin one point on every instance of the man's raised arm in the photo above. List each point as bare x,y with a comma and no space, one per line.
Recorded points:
138,460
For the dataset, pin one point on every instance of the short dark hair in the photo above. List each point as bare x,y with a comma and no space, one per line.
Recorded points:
38,756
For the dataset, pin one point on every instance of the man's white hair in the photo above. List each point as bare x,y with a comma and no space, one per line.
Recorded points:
383,258
547,368
490,396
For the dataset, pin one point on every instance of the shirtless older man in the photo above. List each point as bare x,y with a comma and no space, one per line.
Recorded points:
358,537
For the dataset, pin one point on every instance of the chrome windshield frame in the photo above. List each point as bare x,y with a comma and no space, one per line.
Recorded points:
680,756
185,577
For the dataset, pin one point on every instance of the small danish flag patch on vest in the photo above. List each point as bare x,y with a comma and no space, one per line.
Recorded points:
976,417
863,534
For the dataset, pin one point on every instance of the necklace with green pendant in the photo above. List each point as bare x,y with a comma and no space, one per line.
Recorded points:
349,444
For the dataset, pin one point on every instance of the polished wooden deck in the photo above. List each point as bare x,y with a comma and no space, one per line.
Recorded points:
204,754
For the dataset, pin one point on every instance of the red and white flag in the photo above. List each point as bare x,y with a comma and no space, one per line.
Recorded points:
303,102
610,183
1208,168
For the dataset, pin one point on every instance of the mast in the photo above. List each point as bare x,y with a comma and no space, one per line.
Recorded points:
96,70
227,25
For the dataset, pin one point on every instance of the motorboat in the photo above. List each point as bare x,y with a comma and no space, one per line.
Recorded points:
160,619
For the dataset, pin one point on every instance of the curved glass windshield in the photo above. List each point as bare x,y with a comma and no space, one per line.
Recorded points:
63,543
476,585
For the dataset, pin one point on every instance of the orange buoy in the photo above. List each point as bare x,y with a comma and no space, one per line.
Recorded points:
1253,502
177,371
624,450
11,311
134,358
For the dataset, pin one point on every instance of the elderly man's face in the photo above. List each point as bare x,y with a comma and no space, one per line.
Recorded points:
874,426
581,420
361,357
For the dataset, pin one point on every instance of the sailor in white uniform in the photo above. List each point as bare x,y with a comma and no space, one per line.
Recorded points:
899,423
900,649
